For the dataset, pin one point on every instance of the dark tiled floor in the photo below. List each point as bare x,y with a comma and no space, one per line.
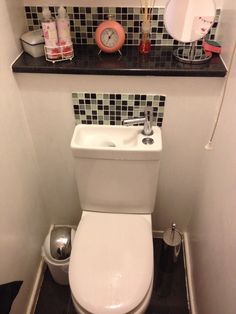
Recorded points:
55,299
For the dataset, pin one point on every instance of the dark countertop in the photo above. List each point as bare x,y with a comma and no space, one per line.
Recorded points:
160,62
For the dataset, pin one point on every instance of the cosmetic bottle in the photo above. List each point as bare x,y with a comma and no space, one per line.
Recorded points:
63,30
50,35
145,43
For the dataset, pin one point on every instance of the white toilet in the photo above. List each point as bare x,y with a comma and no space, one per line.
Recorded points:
111,265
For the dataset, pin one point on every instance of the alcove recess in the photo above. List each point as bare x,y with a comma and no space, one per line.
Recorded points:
84,21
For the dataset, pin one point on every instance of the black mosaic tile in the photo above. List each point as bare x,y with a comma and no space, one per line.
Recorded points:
116,107
54,298
130,18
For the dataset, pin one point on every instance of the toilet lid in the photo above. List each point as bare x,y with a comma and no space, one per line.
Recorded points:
111,264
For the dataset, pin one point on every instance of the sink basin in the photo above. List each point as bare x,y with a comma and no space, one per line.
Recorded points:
115,142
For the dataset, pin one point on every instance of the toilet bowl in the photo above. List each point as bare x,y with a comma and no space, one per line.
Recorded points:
111,266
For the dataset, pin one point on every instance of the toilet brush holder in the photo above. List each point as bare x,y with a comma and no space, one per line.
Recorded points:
170,249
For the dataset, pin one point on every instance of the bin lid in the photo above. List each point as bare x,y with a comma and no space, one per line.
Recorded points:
46,252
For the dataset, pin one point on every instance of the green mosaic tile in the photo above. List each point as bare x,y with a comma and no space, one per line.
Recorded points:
136,10
69,10
74,95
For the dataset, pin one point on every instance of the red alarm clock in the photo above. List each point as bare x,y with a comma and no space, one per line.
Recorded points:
110,36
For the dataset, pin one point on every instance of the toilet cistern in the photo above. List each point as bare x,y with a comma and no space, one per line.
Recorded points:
147,120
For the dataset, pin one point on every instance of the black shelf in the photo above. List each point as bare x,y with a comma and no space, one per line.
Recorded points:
159,62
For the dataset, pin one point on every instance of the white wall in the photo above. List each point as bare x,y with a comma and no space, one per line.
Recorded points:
211,231
110,3
190,112
49,111
23,222
114,3
226,31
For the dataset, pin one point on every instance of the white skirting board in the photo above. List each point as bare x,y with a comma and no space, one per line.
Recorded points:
36,288
188,271
157,234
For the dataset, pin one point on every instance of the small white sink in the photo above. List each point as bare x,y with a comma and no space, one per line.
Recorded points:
115,142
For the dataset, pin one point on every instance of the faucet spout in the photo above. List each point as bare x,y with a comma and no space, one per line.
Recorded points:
147,121
133,121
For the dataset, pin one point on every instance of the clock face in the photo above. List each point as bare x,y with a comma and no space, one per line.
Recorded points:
109,37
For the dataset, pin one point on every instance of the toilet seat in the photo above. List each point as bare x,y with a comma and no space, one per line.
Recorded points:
111,266
140,309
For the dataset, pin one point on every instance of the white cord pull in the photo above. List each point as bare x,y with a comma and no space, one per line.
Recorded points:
209,146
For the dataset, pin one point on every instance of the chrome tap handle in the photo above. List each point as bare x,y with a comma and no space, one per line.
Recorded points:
147,130
147,121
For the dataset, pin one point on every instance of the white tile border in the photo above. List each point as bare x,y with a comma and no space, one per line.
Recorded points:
189,278
36,288
157,234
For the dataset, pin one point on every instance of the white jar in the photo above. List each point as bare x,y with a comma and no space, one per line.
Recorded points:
33,43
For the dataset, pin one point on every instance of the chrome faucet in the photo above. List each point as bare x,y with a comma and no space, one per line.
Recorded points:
147,120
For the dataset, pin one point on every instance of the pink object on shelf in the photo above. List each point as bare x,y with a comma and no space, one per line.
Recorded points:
211,46
50,35
116,30
145,46
63,30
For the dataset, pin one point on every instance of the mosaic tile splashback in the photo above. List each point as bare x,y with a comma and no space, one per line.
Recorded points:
84,22
112,109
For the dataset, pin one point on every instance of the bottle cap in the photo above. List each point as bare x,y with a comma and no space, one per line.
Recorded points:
146,26
62,12
46,13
